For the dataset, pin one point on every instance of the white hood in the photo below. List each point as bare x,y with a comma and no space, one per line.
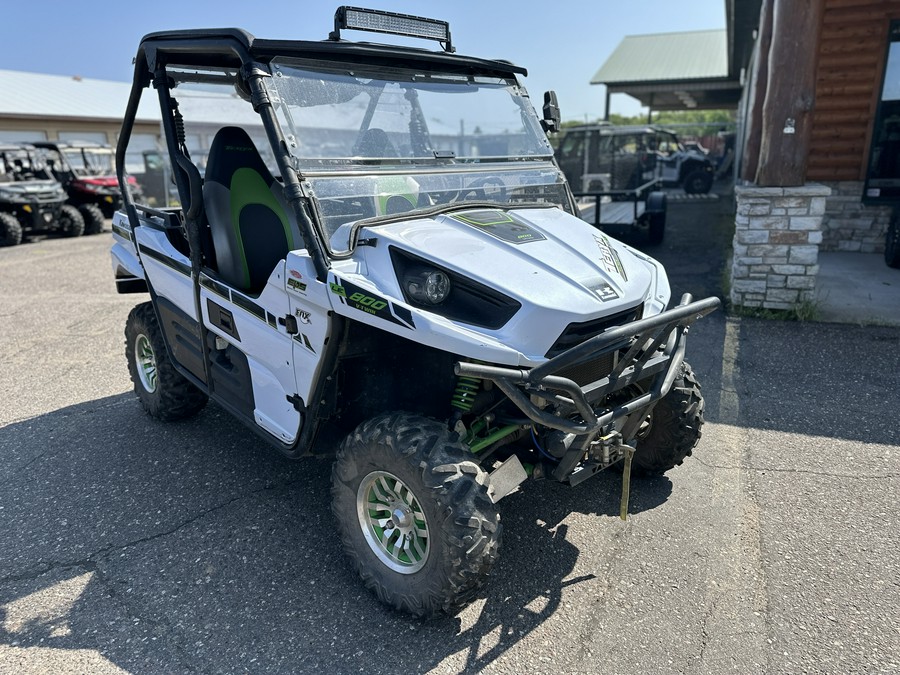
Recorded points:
559,268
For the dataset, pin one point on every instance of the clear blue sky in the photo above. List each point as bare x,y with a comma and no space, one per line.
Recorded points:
562,43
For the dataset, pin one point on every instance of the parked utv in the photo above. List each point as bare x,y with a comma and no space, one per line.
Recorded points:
607,157
31,200
87,173
381,240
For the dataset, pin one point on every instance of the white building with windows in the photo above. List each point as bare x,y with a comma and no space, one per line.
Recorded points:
40,107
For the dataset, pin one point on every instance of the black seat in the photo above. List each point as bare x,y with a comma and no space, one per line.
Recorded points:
375,143
248,217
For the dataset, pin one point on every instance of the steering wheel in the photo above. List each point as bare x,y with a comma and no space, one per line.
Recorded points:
450,190
489,188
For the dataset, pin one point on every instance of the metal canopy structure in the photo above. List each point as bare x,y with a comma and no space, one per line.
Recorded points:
684,71
672,71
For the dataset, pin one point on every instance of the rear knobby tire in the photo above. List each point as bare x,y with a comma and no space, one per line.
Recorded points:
162,390
698,182
412,469
69,221
93,218
674,429
10,230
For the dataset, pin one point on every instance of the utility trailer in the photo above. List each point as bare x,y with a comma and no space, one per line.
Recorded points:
640,209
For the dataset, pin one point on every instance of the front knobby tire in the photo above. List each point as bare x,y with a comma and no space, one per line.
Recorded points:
93,218
674,427
164,393
414,515
10,230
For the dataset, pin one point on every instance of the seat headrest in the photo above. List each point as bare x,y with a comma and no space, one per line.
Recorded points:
375,143
232,149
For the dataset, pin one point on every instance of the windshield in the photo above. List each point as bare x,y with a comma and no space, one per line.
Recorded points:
377,143
338,118
90,161
22,164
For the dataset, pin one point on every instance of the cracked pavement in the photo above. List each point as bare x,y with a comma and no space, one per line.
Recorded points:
135,546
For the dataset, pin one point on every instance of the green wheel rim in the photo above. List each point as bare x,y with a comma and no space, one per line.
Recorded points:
146,363
393,522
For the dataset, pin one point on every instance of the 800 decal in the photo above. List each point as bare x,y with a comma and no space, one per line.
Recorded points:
367,301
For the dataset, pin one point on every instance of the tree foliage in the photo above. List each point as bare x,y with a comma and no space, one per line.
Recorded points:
685,122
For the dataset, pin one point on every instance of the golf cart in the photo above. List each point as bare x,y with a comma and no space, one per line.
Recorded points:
381,241
87,173
31,200
607,157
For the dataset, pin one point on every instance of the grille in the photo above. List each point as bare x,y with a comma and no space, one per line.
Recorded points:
44,196
585,373
576,333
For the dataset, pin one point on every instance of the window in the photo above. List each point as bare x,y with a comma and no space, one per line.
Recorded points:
90,136
22,136
883,175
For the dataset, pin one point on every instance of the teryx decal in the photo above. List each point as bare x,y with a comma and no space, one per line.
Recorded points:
609,257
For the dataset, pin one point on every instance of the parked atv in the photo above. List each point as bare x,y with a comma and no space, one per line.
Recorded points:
87,173
31,200
606,157
409,268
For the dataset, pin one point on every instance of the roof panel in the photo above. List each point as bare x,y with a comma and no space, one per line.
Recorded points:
38,94
667,56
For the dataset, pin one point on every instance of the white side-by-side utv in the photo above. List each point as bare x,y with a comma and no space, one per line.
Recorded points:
378,238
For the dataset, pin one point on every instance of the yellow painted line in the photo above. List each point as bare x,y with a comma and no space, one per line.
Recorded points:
729,406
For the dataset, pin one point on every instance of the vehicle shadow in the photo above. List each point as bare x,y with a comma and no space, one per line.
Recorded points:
194,546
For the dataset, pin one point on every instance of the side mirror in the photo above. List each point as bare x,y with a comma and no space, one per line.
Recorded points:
550,123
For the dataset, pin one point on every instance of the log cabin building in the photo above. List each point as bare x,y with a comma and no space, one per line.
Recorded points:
816,86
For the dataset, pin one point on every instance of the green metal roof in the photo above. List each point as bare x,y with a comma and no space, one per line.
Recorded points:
694,55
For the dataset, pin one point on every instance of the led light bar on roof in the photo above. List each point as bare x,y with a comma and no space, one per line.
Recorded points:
392,23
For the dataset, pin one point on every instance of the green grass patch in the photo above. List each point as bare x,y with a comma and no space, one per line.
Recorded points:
804,310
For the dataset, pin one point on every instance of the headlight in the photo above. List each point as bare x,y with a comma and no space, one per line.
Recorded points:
451,295
87,187
427,286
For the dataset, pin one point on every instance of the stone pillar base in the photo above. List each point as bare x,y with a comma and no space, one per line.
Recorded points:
776,245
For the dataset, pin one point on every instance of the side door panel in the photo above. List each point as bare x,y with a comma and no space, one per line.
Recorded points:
310,305
254,327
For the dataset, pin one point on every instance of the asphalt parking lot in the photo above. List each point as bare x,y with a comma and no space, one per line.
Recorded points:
132,545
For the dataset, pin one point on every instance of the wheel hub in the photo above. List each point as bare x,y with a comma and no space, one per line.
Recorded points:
145,360
393,522
401,517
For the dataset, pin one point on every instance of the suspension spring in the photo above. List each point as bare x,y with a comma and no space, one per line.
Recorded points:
464,394
179,129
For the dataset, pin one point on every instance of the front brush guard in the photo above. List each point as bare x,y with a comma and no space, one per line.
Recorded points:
652,347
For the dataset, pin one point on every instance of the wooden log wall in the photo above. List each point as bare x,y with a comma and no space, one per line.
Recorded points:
848,79
787,109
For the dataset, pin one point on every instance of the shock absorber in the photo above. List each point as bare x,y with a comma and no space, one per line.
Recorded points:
467,389
179,129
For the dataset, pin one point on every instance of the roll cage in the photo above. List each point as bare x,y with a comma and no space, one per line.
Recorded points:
236,50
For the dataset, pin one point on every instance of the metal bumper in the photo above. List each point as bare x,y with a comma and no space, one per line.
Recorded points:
650,350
